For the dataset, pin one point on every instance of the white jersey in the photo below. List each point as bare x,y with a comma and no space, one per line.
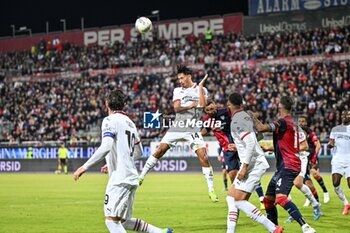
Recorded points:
120,161
341,151
187,96
241,126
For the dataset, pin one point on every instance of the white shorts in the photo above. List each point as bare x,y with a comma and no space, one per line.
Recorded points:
253,177
119,200
304,162
341,169
194,139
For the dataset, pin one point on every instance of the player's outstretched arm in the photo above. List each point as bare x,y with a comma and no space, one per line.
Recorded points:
202,98
99,154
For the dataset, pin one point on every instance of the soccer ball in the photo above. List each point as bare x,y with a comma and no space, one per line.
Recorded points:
143,25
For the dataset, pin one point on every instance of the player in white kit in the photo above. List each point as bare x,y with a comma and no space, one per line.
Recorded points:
340,141
253,166
189,99
120,144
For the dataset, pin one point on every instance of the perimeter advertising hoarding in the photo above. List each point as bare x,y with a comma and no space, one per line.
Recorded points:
259,7
101,36
297,21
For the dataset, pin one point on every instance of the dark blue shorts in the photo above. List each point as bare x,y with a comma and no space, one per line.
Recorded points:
231,160
281,182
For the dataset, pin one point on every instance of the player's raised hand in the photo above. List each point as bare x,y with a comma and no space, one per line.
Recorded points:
201,83
78,173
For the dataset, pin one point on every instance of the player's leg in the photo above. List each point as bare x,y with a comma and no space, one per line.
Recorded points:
269,200
241,202
207,172
243,189
337,174
153,160
232,164
233,212
65,167
284,185
114,225
259,190
59,167
299,183
139,225
224,175
315,172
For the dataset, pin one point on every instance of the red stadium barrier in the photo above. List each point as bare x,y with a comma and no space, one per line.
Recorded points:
167,30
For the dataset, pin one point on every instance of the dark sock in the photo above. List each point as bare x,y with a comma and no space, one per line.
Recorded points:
272,214
294,212
321,183
315,195
259,191
225,183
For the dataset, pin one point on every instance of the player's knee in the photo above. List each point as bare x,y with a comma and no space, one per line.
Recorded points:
282,200
298,183
268,203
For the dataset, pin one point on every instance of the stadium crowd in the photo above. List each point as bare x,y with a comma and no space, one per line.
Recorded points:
57,109
59,56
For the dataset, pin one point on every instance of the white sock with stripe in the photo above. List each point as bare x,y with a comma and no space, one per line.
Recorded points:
115,227
232,215
138,225
255,214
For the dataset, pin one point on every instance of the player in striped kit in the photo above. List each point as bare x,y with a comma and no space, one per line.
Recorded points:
120,144
286,147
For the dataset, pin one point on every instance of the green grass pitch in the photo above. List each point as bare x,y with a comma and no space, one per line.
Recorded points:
34,203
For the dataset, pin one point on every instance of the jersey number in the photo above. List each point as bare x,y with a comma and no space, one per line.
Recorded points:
194,136
131,141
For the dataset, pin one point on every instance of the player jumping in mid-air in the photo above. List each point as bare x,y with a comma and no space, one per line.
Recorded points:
286,148
314,148
189,99
340,141
120,144
254,165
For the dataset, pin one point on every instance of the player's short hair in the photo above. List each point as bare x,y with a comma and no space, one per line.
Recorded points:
235,99
210,101
287,102
184,70
116,100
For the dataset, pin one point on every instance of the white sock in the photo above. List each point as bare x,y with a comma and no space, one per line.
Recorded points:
150,163
308,194
209,177
341,195
255,214
261,199
232,216
138,225
115,227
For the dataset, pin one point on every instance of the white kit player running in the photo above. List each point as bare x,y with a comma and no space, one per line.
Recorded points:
120,144
253,166
340,140
189,99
